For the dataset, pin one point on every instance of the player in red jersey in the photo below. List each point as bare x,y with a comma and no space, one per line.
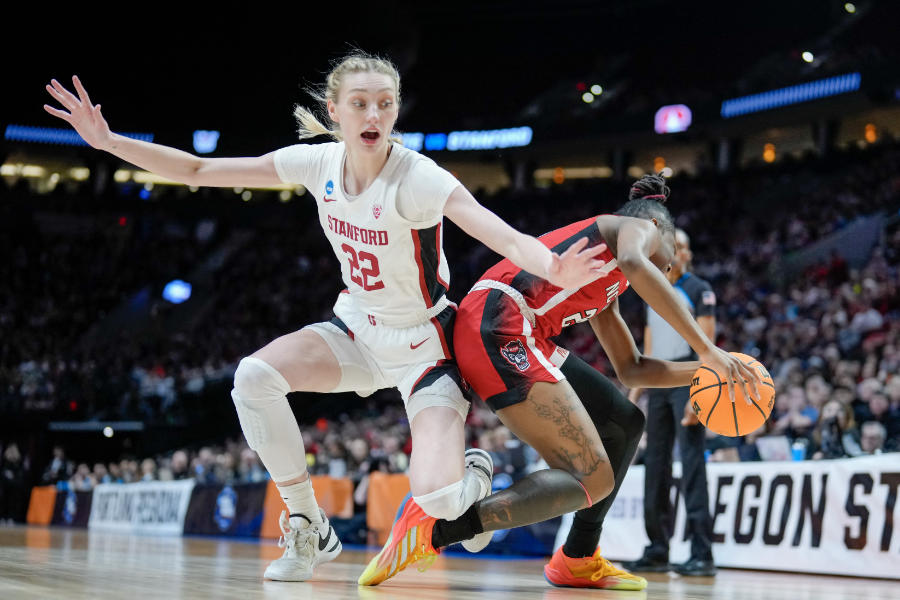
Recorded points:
576,419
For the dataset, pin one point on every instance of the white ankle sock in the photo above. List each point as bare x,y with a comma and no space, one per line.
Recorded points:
300,500
475,486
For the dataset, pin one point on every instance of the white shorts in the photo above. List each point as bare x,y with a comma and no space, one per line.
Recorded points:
416,360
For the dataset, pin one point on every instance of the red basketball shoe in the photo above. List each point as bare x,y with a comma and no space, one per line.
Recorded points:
589,572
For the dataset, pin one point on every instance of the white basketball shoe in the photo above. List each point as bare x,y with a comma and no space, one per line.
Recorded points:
304,548
480,463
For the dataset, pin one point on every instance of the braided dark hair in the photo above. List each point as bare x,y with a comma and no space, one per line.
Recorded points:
646,200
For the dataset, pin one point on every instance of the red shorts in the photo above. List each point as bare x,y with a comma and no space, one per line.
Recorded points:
497,352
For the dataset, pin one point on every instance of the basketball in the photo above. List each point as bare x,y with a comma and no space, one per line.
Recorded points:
713,406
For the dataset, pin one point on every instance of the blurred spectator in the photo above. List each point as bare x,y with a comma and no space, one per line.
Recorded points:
12,486
794,416
203,466
835,435
115,473
872,437
59,469
224,469
83,479
148,470
179,465
101,474
250,469
334,454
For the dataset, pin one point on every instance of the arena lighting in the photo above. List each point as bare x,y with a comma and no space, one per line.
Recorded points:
795,94
205,141
22,170
79,173
808,56
177,291
596,89
574,172
108,431
587,97
49,135
489,139
436,141
95,425
413,141
850,7
871,134
559,175
672,118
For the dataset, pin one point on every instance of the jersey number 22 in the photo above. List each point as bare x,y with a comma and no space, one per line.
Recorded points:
360,272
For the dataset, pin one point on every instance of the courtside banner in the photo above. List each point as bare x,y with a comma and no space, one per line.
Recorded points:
226,510
72,508
828,516
156,507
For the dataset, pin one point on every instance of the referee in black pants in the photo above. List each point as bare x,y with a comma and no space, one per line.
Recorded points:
669,415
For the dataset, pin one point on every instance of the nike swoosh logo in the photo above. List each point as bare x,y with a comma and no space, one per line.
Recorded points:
327,199
414,346
323,542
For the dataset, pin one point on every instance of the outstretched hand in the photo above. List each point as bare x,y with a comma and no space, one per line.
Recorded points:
83,116
576,266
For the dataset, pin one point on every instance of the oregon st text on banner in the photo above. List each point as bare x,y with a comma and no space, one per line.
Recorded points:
829,516
157,507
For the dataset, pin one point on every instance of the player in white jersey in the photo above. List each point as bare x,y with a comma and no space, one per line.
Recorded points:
381,207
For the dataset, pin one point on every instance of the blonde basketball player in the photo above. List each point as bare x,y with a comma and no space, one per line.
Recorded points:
381,207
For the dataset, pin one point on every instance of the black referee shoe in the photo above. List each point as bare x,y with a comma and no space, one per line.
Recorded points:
697,567
647,564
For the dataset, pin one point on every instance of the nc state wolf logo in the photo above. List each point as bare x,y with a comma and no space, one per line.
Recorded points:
376,210
514,353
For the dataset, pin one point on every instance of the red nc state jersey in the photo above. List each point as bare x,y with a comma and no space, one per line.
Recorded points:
554,307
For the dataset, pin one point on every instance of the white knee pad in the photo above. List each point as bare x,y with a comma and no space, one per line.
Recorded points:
269,425
443,392
448,502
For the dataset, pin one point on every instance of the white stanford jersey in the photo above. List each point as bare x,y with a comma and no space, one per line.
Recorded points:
394,268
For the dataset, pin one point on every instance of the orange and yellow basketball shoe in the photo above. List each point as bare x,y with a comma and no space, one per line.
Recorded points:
589,572
408,543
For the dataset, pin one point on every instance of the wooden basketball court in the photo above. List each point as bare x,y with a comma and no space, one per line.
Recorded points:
38,562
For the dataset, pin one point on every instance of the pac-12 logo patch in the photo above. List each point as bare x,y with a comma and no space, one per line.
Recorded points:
515,354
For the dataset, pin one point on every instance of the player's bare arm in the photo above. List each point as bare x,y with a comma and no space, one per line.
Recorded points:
637,241
634,369
86,118
573,268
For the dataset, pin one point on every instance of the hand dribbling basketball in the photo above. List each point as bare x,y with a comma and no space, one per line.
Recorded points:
734,418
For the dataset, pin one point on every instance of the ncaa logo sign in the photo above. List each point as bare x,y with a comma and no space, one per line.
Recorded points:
70,507
329,186
226,508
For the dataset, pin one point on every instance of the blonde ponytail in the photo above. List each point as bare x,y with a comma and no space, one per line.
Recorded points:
309,125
